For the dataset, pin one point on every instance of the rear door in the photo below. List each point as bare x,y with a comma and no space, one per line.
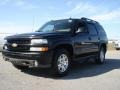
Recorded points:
93,37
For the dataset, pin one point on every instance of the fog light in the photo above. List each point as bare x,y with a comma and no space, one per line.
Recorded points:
36,63
5,47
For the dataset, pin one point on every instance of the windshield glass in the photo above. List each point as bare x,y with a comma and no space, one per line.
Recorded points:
56,26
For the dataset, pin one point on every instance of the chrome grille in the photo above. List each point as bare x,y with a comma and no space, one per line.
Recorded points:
19,41
22,45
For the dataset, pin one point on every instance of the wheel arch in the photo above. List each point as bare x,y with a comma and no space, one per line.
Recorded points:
66,46
104,45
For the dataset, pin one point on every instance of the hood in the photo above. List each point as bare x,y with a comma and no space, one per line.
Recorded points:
37,35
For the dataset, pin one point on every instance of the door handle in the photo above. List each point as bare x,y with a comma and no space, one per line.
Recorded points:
90,38
98,38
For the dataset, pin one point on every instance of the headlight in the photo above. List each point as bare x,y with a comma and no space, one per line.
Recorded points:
39,49
39,41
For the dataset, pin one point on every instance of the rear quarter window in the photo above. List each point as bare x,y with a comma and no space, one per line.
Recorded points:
100,29
92,29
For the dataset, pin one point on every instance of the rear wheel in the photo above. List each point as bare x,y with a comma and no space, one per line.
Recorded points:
20,67
117,48
61,63
101,56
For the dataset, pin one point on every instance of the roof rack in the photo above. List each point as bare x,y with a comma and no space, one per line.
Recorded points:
89,20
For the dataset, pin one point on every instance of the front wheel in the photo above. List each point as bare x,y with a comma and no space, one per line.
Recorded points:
101,56
61,63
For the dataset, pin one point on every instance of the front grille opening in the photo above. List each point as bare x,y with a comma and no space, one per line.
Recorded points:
23,45
19,48
19,41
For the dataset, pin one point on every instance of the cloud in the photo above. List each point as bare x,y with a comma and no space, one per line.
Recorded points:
4,2
95,12
82,8
20,3
113,15
11,27
69,3
23,4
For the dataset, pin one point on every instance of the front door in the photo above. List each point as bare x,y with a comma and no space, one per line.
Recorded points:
82,44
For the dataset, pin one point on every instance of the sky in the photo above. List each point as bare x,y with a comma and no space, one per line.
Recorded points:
21,16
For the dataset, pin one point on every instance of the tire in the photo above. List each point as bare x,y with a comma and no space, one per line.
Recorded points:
20,67
101,56
61,63
117,48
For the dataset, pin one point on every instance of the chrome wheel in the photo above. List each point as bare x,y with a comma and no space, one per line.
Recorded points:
62,62
102,55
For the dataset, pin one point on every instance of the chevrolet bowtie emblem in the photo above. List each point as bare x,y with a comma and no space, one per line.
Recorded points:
14,45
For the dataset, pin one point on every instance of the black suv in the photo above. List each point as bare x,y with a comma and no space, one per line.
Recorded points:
57,44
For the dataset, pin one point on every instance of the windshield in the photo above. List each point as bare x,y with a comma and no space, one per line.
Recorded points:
56,26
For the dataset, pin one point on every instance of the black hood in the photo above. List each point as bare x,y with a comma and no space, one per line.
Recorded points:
37,35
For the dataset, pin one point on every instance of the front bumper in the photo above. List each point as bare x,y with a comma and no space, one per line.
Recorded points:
31,59
22,62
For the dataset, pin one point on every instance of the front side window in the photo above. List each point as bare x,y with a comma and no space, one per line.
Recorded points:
81,28
56,26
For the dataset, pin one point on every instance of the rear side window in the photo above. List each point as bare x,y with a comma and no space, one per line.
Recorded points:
100,29
92,29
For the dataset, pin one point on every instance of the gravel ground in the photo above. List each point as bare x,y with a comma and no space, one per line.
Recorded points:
87,76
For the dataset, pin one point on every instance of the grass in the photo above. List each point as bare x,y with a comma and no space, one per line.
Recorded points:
111,46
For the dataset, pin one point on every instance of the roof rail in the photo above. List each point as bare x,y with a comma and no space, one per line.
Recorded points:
87,19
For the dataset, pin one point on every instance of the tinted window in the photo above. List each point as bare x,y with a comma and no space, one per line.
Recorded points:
92,29
62,27
81,28
101,30
56,26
